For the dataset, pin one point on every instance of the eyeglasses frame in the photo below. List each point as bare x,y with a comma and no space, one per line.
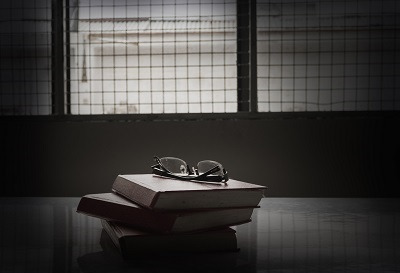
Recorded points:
160,169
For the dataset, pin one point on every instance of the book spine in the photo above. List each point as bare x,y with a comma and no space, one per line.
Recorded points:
135,217
135,192
111,234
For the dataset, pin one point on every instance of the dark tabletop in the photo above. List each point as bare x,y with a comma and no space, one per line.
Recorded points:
285,235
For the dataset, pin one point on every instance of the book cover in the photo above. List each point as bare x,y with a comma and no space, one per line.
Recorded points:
113,207
161,193
131,242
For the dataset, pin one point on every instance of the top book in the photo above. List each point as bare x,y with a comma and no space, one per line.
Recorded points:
159,193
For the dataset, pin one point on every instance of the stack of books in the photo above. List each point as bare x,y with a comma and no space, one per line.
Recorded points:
149,214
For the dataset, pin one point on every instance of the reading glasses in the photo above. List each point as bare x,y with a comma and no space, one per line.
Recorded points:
207,170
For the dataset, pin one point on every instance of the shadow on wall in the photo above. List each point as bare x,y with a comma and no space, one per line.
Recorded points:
353,156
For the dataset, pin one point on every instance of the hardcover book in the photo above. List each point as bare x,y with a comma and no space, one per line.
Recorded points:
159,193
131,242
112,207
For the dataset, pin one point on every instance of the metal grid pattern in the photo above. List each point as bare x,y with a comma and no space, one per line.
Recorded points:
195,56
152,57
324,55
25,58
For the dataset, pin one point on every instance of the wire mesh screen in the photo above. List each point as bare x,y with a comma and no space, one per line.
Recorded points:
25,57
152,57
328,55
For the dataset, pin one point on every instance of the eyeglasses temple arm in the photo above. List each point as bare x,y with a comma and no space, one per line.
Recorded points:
159,164
161,172
210,171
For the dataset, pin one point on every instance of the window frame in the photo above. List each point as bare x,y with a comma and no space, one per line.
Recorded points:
246,69
247,79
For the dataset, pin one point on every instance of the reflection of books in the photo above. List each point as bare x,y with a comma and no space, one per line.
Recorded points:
161,193
112,207
174,262
131,242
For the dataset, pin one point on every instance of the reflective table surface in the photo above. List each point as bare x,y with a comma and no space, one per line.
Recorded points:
285,235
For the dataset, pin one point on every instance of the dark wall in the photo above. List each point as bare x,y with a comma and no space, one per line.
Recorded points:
334,156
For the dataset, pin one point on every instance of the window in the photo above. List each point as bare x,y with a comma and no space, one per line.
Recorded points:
153,57
328,55
25,58
192,56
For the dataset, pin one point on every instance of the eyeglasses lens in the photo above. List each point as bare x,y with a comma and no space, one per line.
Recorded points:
174,165
206,165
